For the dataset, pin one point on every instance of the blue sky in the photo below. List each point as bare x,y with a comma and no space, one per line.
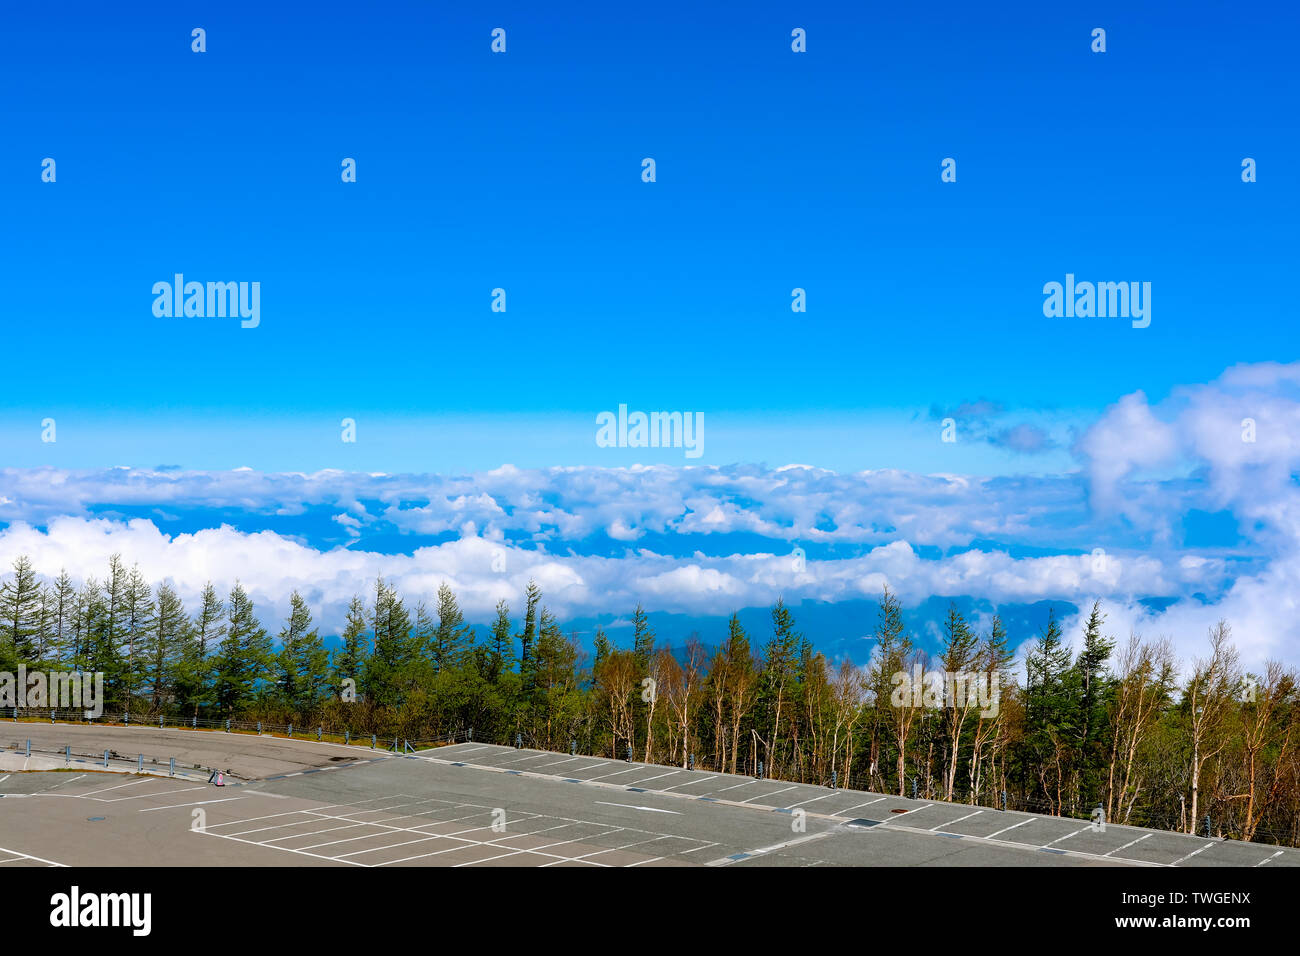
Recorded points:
522,171
775,170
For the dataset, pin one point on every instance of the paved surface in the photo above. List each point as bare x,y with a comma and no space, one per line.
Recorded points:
246,756
482,805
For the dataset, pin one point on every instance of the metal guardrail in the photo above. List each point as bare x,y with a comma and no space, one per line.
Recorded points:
112,760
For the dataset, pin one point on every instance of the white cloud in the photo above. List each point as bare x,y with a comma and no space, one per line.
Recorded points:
709,540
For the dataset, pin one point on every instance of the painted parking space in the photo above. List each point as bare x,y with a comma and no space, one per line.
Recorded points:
445,807
1061,836
14,858
407,829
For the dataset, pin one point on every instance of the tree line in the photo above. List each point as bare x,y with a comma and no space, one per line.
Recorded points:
1121,726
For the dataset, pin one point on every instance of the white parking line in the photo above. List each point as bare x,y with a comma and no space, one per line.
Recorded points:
703,846
1192,854
613,849
637,783
861,805
62,783
1012,827
728,860
772,793
689,782
283,849
634,807
1130,843
133,783
197,803
397,806
292,836
456,835
1273,857
141,796
558,762
367,836
520,759
538,850
315,811
733,787
28,856
463,842
468,843
590,766
1067,836
813,800
958,820
629,770
899,816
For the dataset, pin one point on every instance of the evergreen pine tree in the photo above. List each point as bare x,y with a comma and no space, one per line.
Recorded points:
388,669
195,672
501,648
1051,710
63,611
20,610
244,658
1094,697
453,638
164,647
137,621
349,661
528,637
302,665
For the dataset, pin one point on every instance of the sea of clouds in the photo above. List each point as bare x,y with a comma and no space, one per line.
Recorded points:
708,540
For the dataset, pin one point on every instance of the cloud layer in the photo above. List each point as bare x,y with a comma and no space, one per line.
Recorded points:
707,540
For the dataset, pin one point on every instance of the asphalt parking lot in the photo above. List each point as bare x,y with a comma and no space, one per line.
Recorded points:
308,804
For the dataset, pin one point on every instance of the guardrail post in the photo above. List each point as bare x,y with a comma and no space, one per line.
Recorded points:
469,737
126,719
194,722
519,741
629,753
67,754
227,725
160,721
760,770
29,753
394,745
1004,801
259,728
1207,826
913,788
347,737
318,732
835,780
139,767
105,759
172,771
291,730
690,762
374,741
